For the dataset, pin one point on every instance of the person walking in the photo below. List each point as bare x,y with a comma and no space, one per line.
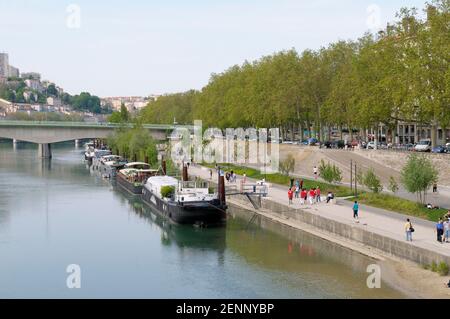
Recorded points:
356,211
301,184
318,193
409,230
210,174
447,230
440,230
316,172
435,188
290,195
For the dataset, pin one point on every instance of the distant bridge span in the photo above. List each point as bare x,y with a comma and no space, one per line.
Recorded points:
46,133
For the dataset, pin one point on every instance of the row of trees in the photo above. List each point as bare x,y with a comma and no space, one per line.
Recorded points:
401,74
135,143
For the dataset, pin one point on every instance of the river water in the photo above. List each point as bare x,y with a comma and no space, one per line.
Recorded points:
58,213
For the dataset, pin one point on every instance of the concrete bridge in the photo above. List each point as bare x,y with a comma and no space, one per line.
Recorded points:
46,133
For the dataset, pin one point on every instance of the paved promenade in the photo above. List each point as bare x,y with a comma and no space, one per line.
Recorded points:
376,220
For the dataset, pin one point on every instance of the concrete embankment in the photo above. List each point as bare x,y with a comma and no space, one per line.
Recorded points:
340,232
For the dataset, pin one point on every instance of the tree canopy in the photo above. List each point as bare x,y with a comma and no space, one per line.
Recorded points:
400,74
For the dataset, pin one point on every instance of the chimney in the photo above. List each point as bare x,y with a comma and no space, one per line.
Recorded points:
164,167
185,173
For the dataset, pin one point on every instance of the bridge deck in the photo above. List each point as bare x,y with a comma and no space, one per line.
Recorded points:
8,123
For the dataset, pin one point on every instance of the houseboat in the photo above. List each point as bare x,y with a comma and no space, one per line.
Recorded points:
133,177
188,202
111,164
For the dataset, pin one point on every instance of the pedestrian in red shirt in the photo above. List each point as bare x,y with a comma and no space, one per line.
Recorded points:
318,195
290,196
303,197
312,196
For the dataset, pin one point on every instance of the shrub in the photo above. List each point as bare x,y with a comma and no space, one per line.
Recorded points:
442,269
330,173
167,191
372,182
434,267
393,185
287,166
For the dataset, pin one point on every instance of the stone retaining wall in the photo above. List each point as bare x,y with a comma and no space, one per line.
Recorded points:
385,244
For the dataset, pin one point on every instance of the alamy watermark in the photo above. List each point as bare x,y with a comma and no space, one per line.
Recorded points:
373,21
73,281
234,146
374,279
73,19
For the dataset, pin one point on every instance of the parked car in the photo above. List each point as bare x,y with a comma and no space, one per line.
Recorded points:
423,146
327,144
439,149
339,144
313,141
371,146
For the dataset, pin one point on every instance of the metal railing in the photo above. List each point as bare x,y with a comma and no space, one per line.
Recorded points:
88,124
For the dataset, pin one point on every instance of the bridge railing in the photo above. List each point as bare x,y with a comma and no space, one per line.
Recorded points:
87,124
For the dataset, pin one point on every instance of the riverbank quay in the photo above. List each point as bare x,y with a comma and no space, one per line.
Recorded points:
378,233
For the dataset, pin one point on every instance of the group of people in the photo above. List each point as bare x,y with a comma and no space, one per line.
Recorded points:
311,196
231,177
442,229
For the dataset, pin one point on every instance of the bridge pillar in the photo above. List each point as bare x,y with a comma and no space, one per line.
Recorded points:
45,151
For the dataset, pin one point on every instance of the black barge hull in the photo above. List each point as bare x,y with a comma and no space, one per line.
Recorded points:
128,186
209,213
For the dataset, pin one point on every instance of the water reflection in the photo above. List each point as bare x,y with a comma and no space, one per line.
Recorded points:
181,236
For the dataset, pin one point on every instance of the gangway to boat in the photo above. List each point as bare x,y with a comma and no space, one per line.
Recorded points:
253,191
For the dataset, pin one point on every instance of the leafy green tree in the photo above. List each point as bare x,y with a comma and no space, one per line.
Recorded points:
51,90
330,173
418,175
123,116
372,182
287,166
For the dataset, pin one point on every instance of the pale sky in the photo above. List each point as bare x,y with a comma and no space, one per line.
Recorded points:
122,48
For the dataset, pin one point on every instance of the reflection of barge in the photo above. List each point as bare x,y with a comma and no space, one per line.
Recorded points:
133,177
186,203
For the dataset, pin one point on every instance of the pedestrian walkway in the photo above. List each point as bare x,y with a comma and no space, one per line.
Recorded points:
375,220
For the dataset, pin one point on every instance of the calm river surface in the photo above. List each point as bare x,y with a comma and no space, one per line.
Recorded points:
56,213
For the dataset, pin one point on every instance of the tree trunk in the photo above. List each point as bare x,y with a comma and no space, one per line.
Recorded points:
293,132
434,129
